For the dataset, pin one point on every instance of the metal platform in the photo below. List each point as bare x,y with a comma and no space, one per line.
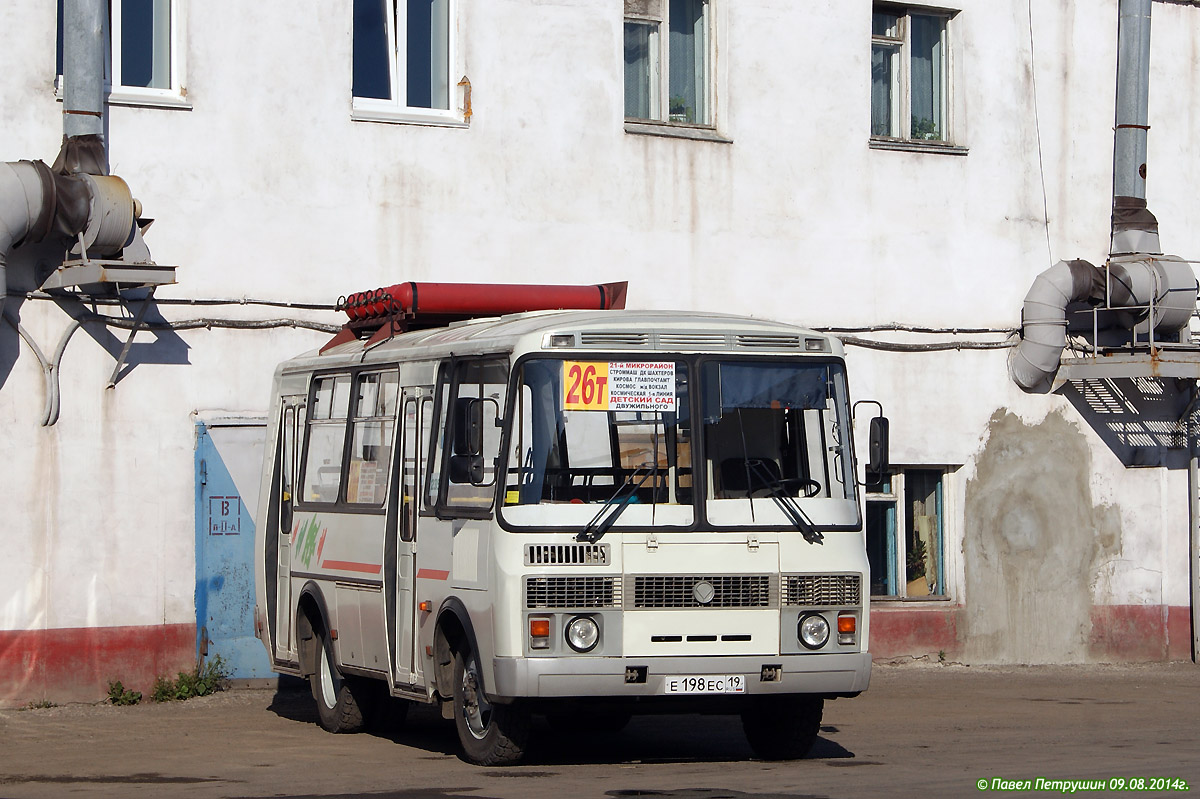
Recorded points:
1182,363
92,275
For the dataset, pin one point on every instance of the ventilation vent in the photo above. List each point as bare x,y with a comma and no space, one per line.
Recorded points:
566,554
679,591
692,341
572,592
822,590
614,339
766,341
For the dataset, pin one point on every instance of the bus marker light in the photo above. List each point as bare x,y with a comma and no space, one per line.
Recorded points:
425,606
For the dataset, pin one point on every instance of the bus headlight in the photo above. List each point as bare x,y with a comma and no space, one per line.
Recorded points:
813,630
582,633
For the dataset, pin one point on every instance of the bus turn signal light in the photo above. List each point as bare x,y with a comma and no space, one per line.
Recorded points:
539,633
847,626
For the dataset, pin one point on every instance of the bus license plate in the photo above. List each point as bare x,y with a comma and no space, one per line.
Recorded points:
706,684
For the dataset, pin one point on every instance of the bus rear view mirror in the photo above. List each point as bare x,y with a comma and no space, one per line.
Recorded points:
877,447
468,427
467,469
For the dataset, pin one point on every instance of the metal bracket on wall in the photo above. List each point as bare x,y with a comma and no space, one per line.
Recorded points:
137,322
92,277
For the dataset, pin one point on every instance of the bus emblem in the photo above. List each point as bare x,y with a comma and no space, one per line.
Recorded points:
703,592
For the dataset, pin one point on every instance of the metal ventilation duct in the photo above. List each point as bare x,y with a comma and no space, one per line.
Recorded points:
26,210
1150,294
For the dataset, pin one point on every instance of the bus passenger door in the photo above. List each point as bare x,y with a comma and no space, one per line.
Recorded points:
291,425
413,452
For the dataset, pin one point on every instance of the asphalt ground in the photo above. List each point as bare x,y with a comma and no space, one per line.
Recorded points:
921,730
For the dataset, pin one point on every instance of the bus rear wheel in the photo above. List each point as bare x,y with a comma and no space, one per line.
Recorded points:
783,728
491,734
338,707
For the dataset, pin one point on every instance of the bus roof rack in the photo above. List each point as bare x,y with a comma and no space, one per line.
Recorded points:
380,314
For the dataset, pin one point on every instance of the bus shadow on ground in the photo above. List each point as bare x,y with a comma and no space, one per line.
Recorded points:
647,739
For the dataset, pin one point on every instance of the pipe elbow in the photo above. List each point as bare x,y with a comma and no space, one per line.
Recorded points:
1034,362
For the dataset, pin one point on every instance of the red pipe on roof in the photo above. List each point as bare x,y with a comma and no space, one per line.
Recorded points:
467,300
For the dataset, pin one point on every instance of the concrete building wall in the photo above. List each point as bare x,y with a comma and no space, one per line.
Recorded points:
266,188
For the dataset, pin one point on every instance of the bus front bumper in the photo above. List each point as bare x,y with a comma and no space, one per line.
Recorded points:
831,675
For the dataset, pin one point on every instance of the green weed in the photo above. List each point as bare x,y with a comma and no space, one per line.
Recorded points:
120,695
200,681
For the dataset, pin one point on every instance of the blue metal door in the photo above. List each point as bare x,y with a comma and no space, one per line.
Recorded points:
228,462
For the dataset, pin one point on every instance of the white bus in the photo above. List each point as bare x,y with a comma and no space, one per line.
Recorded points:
580,514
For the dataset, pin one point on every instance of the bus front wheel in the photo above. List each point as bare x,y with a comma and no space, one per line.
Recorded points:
783,728
337,706
491,734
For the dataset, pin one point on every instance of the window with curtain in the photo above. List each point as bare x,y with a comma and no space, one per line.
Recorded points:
906,534
909,75
402,56
144,58
667,61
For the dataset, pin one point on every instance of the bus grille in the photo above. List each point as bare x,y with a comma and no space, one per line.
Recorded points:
822,590
566,554
572,592
678,591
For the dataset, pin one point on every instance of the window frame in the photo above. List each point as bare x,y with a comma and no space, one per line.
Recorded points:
396,110
903,99
436,496
340,504
117,93
662,124
897,497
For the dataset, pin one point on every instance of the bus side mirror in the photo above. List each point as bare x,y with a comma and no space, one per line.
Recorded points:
466,469
468,426
877,447
466,463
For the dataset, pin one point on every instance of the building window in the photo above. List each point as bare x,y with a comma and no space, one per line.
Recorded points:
403,53
668,61
906,534
144,60
909,74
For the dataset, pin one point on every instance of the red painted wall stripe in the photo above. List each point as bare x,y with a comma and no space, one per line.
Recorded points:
432,574
76,664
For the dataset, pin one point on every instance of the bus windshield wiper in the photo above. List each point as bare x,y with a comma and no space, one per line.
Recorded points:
613,507
786,502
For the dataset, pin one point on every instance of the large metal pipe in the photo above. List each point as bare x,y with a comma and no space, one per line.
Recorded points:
26,210
83,67
1134,228
1034,362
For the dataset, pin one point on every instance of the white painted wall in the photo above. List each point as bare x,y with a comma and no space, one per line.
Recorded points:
267,189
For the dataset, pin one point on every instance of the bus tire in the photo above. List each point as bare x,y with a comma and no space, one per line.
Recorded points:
491,734
783,728
338,707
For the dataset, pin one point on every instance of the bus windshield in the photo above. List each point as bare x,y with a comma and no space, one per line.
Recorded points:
584,432
615,441
776,431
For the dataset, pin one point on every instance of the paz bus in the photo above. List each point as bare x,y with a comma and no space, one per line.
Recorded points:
475,498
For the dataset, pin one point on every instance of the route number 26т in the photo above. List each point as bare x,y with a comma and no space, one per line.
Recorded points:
585,386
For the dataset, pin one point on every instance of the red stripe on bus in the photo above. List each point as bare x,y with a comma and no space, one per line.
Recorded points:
432,574
350,566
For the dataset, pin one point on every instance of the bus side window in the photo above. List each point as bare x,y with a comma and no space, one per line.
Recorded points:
326,439
371,437
469,436
408,471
